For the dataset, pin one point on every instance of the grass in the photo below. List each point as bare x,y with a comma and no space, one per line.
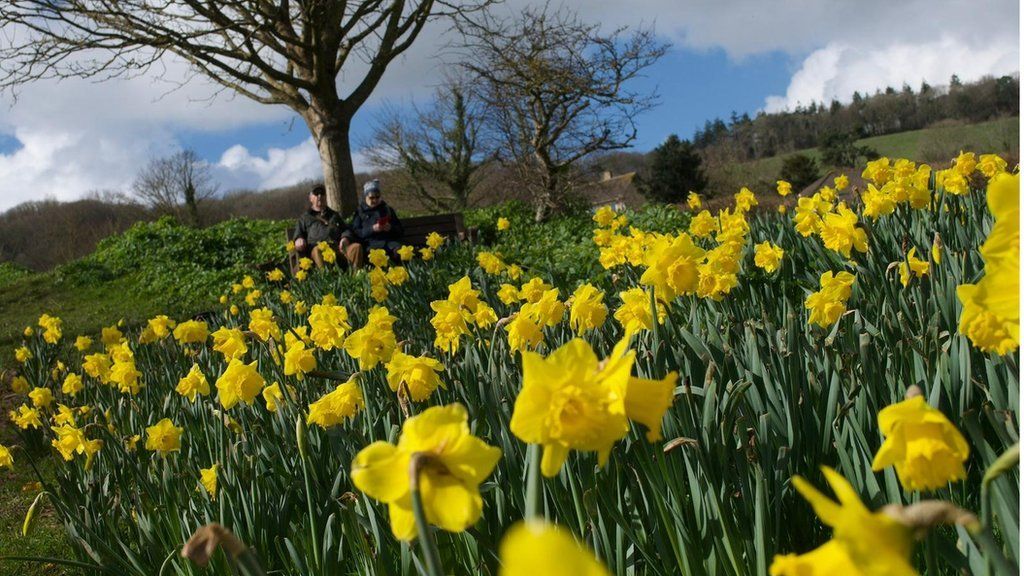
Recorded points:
84,309
45,540
945,141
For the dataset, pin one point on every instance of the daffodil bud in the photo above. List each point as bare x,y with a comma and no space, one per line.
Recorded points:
300,438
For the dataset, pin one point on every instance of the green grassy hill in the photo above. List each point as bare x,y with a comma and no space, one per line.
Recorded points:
934,145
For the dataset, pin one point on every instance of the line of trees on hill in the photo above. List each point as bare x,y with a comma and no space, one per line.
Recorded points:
888,111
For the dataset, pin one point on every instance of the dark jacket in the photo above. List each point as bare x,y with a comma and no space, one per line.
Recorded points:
364,219
318,227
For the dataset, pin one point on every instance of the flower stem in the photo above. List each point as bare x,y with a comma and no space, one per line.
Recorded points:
300,432
426,538
533,497
993,553
1007,461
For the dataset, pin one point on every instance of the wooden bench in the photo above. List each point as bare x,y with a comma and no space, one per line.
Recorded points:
449,225
416,231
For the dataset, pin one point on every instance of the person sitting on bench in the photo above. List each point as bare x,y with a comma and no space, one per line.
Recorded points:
376,226
319,224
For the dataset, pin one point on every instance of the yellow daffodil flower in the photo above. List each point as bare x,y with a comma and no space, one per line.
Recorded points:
829,303
456,463
912,264
332,408
240,382
535,548
588,310
415,376
208,480
193,384
863,542
768,256
924,446
164,437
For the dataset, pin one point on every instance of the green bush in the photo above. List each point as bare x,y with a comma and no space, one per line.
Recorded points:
841,150
10,272
799,170
675,169
179,263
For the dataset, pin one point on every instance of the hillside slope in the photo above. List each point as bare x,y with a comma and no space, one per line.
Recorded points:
937,144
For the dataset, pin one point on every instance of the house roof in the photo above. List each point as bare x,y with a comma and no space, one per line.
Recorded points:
613,189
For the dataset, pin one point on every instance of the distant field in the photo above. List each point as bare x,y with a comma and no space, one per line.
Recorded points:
935,144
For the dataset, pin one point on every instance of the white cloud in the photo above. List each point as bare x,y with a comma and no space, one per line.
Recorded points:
838,70
747,27
62,165
78,136
238,168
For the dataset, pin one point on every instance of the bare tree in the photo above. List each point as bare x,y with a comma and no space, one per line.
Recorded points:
556,91
440,149
176,183
288,52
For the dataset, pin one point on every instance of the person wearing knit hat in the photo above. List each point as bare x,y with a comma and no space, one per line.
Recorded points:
375,226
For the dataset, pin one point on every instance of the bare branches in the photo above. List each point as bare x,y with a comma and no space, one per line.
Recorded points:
441,149
557,91
268,51
177,184
273,51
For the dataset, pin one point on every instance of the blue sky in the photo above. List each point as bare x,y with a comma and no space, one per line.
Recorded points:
65,139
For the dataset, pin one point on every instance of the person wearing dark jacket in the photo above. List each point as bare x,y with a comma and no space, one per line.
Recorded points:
319,224
375,224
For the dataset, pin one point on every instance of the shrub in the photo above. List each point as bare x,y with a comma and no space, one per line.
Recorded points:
10,272
178,262
841,150
799,170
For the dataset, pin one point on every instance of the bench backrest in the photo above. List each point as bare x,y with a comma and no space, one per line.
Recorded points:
417,229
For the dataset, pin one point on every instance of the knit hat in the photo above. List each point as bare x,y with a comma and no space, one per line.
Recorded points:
373,186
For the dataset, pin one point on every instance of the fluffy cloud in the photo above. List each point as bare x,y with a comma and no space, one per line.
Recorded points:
238,168
838,70
64,165
78,135
746,27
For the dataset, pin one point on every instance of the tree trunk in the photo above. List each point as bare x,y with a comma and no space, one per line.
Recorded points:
190,203
540,211
330,132
545,197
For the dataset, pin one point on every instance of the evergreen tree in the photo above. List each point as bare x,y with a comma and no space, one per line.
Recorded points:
799,170
841,150
674,169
